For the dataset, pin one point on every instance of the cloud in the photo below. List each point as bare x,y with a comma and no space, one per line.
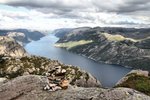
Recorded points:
68,7
135,6
119,6
74,13
52,5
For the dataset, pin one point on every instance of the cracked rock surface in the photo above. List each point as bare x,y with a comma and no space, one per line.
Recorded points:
30,87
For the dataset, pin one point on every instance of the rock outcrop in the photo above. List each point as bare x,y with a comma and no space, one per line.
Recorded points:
12,67
133,72
30,87
9,47
20,86
18,36
136,79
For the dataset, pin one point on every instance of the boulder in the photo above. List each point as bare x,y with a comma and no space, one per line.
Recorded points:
21,86
3,80
30,87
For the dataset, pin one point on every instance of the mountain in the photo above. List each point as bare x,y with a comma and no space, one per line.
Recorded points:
9,47
14,61
144,44
22,36
61,32
134,33
33,78
122,46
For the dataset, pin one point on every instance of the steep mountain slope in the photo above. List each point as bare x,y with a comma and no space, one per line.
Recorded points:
61,32
22,36
144,44
9,47
113,48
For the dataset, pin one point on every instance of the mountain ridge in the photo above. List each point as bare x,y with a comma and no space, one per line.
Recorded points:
22,36
117,48
26,77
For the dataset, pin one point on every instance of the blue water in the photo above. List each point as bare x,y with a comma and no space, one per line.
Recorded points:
107,74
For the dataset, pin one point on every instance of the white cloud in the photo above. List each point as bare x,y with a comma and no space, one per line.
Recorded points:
49,14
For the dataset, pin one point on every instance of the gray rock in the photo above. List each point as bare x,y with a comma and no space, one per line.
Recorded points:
3,80
87,80
136,72
20,86
9,47
30,87
18,36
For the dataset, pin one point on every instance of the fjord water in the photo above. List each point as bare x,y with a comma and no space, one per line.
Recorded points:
107,74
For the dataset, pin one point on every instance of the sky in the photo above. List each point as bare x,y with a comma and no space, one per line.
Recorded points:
53,14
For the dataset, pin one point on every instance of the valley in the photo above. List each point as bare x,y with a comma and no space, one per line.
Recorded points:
122,46
74,49
45,48
35,74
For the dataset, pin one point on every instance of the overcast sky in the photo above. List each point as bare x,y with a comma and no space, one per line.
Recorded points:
52,14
